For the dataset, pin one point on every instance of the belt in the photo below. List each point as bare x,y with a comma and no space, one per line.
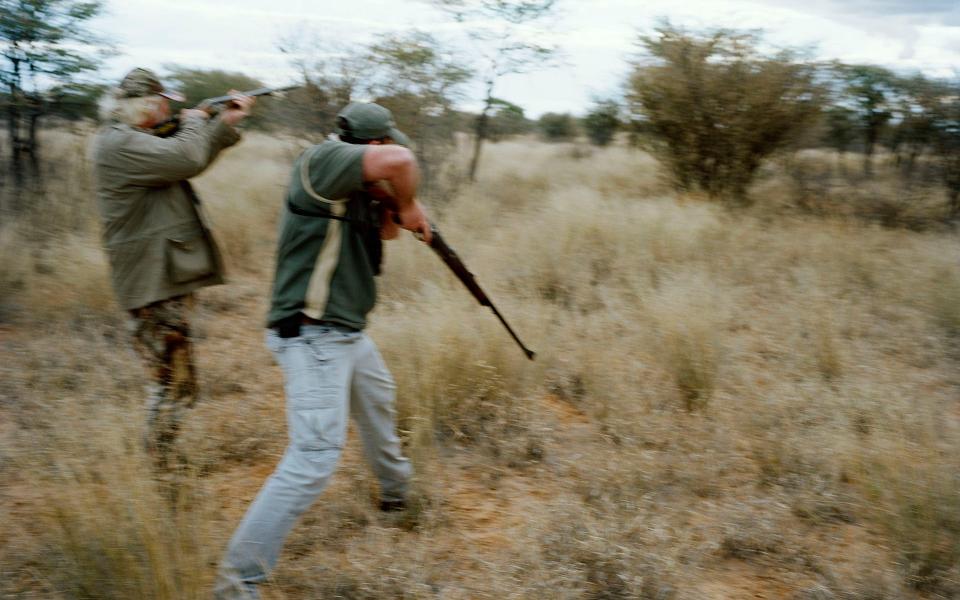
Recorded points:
290,326
304,319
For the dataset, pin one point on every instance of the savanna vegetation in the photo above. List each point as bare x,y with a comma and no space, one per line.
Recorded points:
745,303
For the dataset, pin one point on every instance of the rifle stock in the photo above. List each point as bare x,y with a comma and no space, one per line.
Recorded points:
450,258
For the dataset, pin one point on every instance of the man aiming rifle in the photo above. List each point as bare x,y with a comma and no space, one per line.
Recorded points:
329,251
159,246
346,195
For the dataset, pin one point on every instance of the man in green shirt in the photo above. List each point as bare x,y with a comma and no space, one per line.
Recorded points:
345,196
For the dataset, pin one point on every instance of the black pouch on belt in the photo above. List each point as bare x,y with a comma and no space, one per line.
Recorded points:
289,327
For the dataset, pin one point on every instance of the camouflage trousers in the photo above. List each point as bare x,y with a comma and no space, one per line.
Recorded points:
161,335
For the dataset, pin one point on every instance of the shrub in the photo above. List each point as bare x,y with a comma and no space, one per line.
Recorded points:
602,122
557,127
715,106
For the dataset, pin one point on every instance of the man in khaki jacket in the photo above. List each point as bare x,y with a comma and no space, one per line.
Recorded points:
159,246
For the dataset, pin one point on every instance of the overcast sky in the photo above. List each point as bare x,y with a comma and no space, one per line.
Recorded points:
596,36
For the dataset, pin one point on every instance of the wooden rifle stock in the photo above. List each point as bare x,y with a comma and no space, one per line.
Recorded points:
453,261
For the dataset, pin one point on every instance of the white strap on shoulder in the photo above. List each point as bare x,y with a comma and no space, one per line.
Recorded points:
308,187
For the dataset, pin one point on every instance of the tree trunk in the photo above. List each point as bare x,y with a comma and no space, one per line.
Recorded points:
16,161
16,144
909,165
481,131
868,156
32,145
953,197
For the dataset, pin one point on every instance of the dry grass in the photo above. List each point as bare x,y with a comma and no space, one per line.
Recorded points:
723,404
824,183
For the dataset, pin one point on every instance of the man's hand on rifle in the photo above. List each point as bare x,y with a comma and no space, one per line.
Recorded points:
237,109
186,113
232,113
412,218
416,222
393,169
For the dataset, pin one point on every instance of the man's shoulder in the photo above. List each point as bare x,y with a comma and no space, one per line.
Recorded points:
115,128
334,150
334,169
116,133
108,138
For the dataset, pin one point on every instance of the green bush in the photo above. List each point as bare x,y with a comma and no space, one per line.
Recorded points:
602,122
556,127
715,106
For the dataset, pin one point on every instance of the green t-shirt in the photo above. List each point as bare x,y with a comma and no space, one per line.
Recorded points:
324,269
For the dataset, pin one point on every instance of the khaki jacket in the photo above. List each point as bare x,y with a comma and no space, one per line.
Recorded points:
154,232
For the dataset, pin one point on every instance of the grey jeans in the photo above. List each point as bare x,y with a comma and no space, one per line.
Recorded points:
328,371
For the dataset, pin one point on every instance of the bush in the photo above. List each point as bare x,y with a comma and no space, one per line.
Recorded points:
506,120
715,107
602,122
557,127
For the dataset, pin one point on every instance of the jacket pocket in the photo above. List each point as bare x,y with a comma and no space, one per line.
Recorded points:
189,258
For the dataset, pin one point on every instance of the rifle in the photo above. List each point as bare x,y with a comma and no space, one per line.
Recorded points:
453,261
213,106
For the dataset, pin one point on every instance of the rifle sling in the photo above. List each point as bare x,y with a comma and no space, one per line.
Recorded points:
370,236
312,213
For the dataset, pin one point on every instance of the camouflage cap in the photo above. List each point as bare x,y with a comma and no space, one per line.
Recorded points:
369,121
142,82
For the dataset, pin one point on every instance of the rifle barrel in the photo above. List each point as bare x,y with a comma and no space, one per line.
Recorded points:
264,91
450,258
530,353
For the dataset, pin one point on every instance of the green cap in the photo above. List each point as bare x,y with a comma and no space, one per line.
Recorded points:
142,82
369,121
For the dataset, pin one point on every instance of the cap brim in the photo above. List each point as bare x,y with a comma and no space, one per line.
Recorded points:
399,137
172,95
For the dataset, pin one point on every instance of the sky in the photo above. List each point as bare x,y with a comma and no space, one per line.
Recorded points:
596,37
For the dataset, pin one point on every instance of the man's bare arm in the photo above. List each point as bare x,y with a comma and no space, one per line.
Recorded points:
397,166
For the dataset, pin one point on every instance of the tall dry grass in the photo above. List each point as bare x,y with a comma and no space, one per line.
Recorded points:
722,403
828,183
